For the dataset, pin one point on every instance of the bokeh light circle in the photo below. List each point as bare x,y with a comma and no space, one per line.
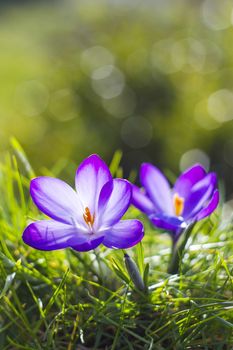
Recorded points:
108,81
220,105
188,55
136,132
161,56
64,106
95,57
203,118
216,14
193,156
122,105
31,98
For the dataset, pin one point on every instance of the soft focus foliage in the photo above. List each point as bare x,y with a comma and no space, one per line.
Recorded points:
67,300
153,78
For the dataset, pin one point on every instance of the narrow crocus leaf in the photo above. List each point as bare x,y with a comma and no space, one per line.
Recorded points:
120,272
140,257
134,273
146,274
115,163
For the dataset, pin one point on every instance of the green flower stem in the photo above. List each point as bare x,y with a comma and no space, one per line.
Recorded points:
178,250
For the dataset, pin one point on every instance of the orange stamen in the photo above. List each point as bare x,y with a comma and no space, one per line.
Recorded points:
178,203
89,219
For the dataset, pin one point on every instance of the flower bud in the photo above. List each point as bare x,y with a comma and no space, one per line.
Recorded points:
134,273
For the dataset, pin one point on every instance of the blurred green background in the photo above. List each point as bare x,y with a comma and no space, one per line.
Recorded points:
153,78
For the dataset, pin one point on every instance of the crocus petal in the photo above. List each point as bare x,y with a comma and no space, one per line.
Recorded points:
157,187
166,222
124,234
141,201
56,199
187,179
52,235
212,205
117,204
105,194
88,244
200,193
91,176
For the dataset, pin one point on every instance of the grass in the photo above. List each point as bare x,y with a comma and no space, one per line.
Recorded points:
69,300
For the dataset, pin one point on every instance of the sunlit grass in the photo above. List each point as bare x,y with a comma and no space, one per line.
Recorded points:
69,300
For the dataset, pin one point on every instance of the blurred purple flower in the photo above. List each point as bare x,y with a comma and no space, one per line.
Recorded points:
84,218
193,197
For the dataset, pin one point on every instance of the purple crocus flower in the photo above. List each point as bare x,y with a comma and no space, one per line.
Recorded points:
193,197
84,218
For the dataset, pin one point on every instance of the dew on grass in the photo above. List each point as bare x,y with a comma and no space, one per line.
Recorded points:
223,237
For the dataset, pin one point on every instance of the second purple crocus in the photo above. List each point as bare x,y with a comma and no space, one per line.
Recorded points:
86,217
193,197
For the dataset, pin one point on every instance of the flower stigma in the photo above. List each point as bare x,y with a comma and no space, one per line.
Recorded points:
89,219
178,203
